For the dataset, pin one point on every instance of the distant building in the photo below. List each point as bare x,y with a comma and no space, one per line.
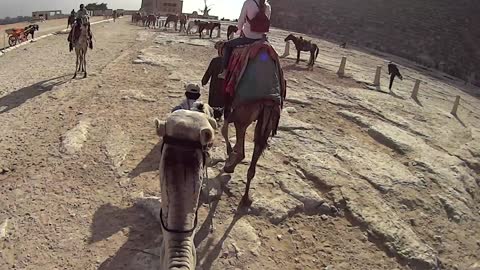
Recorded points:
48,15
162,7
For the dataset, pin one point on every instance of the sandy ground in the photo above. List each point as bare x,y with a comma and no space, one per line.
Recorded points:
356,178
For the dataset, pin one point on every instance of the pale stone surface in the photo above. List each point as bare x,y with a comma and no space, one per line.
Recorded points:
74,139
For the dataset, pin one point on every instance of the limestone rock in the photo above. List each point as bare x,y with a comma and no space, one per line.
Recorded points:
288,123
73,140
301,191
3,229
275,206
117,145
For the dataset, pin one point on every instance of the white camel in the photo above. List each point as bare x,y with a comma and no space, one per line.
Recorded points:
185,137
81,47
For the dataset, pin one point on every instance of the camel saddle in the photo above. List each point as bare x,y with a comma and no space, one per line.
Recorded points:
254,74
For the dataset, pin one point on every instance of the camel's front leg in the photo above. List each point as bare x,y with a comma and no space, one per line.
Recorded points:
85,63
76,67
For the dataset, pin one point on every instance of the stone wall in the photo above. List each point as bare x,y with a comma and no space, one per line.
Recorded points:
443,34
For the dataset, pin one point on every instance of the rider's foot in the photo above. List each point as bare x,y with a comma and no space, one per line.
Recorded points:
223,74
91,45
71,46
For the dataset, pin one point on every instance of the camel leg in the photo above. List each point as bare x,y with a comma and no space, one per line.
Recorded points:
257,152
76,67
85,63
225,136
263,130
238,153
298,56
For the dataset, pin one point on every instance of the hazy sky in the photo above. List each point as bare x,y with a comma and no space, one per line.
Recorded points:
222,8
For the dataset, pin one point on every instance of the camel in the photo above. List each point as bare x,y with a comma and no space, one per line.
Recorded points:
81,47
186,137
304,46
264,108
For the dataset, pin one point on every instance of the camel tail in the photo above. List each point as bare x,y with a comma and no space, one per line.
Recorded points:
267,125
318,51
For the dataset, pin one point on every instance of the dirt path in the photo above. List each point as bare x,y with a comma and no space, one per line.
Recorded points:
356,179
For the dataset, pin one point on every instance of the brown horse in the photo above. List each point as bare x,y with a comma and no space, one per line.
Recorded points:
30,30
151,21
304,46
175,19
232,29
209,26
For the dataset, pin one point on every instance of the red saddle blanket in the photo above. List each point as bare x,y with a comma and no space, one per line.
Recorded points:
254,73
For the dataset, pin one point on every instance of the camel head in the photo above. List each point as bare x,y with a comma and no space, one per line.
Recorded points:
186,136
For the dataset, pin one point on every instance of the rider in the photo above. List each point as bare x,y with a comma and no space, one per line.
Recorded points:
253,25
192,94
82,14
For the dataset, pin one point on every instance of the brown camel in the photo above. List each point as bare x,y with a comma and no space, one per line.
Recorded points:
81,47
265,110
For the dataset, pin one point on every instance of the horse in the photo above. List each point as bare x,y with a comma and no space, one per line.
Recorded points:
30,30
151,21
81,47
136,17
175,19
209,26
232,29
145,20
304,46
70,20
254,99
190,26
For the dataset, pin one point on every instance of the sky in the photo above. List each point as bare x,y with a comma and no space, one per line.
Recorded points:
13,8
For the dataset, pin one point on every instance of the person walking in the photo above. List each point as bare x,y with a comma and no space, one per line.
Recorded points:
393,71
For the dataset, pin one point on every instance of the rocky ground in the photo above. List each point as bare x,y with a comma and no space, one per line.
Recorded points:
356,178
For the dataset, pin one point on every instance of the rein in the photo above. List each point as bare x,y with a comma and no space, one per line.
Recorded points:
186,144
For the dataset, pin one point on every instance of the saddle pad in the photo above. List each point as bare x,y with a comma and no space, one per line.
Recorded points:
260,81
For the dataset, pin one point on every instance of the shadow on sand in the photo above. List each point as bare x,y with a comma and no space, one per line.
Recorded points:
143,232
17,98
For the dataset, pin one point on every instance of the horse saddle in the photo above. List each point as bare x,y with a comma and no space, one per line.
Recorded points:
255,74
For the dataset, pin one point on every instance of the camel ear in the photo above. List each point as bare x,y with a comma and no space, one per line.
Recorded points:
206,136
161,127
213,123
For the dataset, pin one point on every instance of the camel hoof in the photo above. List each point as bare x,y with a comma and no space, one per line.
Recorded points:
85,76
246,201
74,76
229,169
